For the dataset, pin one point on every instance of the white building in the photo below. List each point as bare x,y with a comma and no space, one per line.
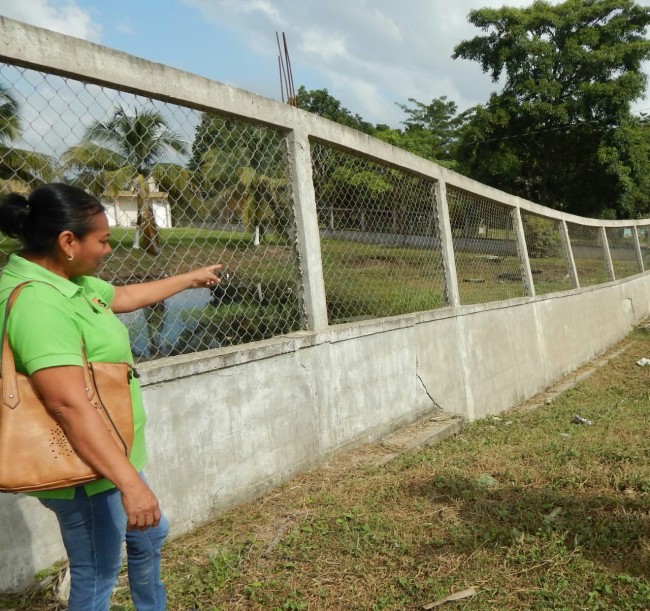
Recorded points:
122,210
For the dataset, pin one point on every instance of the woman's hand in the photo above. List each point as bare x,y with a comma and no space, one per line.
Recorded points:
204,277
140,505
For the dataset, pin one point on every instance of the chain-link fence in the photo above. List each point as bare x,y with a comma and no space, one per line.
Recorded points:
485,248
379,238
184,187
181,188
549,264
588,254
623,251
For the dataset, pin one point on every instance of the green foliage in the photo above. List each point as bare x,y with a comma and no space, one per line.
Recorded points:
432,129
542,237
9,116
321,103
553,133
240,173
29,167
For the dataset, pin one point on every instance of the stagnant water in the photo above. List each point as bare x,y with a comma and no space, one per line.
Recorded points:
157,331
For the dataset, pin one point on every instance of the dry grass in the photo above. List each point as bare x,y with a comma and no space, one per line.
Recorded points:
532,510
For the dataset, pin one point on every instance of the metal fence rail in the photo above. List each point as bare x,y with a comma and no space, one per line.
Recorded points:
316,224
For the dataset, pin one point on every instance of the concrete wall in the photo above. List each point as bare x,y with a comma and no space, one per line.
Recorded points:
225,426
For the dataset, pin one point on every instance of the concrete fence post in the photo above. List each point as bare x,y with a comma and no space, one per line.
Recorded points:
308,234
447,244
607,255
568,253
522,251
637,247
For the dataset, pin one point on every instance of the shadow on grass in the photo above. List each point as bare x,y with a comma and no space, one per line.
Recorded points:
607,530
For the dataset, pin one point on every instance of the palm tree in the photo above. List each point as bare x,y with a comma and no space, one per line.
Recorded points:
127,152
18,165
240,168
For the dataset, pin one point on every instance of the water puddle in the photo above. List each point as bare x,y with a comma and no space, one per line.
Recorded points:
158,330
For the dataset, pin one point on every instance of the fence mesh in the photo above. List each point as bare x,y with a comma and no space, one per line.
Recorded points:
379,238
588,254
622,249
485,248
548,261
181,188
184,187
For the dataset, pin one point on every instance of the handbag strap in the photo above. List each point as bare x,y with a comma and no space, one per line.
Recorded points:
10,392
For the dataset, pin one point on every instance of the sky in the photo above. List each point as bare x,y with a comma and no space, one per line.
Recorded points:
369,54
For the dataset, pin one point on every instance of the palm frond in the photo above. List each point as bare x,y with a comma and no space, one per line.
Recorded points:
89,155
28,167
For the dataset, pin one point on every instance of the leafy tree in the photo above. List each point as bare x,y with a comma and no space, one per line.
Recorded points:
9,119
569,73
431,130
16,164
321,103
126,151
627,160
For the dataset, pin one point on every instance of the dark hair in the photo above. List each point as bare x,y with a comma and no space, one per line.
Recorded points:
38,221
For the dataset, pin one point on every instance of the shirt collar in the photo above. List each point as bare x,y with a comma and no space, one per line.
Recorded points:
23,270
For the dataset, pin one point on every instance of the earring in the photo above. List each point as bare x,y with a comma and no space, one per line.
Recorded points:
70,257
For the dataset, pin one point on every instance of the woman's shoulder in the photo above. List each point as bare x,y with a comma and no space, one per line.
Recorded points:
30,291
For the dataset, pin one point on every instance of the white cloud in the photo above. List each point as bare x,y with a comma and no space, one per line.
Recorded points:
363,50
66,17
323,48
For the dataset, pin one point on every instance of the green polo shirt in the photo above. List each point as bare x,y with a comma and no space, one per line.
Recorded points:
46,327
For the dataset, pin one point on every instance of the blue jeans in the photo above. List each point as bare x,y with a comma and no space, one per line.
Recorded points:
93,530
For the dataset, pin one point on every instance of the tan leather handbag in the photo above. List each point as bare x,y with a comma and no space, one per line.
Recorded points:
35,453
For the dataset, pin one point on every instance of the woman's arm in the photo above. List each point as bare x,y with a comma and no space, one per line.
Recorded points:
64,395
135,296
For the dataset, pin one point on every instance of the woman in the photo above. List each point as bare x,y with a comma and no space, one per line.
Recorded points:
64,236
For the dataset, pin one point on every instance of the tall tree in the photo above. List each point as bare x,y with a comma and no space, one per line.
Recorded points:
126,152
430,130
568,74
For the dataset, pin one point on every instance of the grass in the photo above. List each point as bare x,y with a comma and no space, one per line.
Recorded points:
532,510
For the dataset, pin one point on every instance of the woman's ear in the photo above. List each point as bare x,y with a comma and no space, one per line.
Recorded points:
66,242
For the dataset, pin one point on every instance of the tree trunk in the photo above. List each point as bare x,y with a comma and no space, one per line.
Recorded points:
147,230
